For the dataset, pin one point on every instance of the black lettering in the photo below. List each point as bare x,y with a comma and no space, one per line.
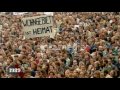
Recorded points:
44,20
27,33
39,31
25,23
35,31
47,29
43,30
49,17
38,21
32,22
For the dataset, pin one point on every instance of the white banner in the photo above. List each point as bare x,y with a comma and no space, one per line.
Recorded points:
2,13
38,26
19,13
49,13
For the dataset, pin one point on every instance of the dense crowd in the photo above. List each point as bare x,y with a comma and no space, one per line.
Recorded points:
86,45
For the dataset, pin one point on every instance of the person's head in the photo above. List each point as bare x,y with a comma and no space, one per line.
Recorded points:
109,61
51,74
29,56
106,72
22,53
33,65
96,64
38,55
102,75
90,67
8,61
1,58
82,74
51,68
67,73
16,57
74,62
39,67
91,61
97,74
27,74
100,48
18,62
112,73
75,74
37,75
59,75
1,65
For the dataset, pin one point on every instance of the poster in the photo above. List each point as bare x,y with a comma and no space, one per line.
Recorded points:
38,26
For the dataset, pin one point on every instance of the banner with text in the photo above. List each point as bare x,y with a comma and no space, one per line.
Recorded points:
38,26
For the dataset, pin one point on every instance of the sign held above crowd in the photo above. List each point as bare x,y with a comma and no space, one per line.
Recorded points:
37,26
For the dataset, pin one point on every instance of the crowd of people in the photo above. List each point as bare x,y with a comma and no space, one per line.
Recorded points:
86,45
